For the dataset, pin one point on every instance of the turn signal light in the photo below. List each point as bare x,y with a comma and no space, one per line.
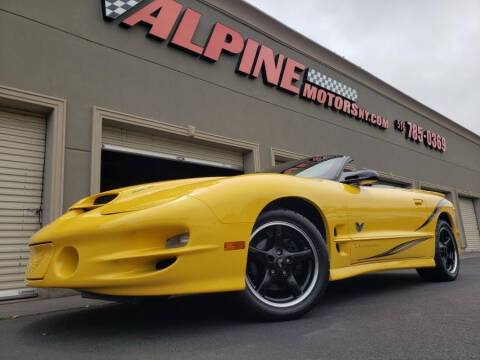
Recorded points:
234,245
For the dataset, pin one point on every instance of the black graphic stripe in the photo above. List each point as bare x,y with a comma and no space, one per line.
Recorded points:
440,204
399,248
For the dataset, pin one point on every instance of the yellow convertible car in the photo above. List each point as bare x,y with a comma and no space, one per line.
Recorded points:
277,237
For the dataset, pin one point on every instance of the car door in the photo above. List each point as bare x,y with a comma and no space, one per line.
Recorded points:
382,223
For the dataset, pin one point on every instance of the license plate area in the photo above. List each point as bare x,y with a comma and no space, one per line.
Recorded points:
40,256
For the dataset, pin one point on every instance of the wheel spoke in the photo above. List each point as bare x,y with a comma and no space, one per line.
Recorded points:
257,254
445,261
300,256
451,258
447,240
267,279
278,236
293,286
442,237
448,262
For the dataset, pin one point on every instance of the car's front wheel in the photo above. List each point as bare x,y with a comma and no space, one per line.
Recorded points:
287,266
447,261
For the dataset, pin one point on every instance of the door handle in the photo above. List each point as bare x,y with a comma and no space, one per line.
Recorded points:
418,201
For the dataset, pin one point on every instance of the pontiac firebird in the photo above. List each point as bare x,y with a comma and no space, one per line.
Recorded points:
276,237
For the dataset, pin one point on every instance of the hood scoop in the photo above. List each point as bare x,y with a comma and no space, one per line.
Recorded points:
94,202
104,199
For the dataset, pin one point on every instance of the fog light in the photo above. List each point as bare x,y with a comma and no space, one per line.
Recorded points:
67,262
178,241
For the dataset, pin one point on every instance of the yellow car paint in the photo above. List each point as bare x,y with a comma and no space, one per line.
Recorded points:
114,248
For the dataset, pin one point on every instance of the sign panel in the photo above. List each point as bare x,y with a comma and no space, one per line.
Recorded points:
258,60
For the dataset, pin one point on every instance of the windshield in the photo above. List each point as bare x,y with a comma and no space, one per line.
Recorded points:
322,167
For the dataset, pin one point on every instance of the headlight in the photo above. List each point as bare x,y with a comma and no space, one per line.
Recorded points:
178,241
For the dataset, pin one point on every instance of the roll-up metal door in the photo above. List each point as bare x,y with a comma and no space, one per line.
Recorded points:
22,156
470,224
152,144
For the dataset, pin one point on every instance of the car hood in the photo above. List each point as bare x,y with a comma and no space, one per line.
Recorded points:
139,197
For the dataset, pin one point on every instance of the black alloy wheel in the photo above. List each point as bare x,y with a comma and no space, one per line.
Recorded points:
448,250
287,266
447,260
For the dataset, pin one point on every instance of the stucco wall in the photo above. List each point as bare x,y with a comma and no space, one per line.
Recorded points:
64,48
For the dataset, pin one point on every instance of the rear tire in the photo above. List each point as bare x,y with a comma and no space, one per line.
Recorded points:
446,256
287,266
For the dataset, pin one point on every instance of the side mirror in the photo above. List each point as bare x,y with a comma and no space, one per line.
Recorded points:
361,177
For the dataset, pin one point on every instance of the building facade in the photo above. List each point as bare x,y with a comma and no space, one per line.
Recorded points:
88,102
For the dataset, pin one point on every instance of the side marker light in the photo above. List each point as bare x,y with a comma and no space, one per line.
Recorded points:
234,245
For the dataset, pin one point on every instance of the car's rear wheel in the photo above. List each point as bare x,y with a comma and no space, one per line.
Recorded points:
287,266
447,261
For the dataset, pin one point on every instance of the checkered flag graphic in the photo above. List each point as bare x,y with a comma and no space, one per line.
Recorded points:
112,9
317,78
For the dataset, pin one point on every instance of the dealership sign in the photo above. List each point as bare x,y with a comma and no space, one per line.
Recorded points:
254,59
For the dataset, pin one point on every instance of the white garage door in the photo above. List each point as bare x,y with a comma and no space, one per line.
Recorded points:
149,144
470,224
22,155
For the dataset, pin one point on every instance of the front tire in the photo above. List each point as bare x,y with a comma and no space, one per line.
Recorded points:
287,266
446,256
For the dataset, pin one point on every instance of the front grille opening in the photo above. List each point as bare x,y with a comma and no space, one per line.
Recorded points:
104,199
164,263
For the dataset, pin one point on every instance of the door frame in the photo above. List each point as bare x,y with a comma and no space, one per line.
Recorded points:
54,111
285,155
251,151
476,207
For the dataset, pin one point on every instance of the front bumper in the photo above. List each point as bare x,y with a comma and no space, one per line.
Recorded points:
119,254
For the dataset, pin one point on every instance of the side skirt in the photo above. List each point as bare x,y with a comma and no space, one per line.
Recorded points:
354,270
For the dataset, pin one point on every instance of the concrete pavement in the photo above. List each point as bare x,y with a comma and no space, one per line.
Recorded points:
392,315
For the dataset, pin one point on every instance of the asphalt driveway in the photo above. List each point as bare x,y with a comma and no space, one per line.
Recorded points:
391,315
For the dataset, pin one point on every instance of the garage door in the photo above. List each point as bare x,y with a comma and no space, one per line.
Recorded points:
470,224
22,154
148,144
